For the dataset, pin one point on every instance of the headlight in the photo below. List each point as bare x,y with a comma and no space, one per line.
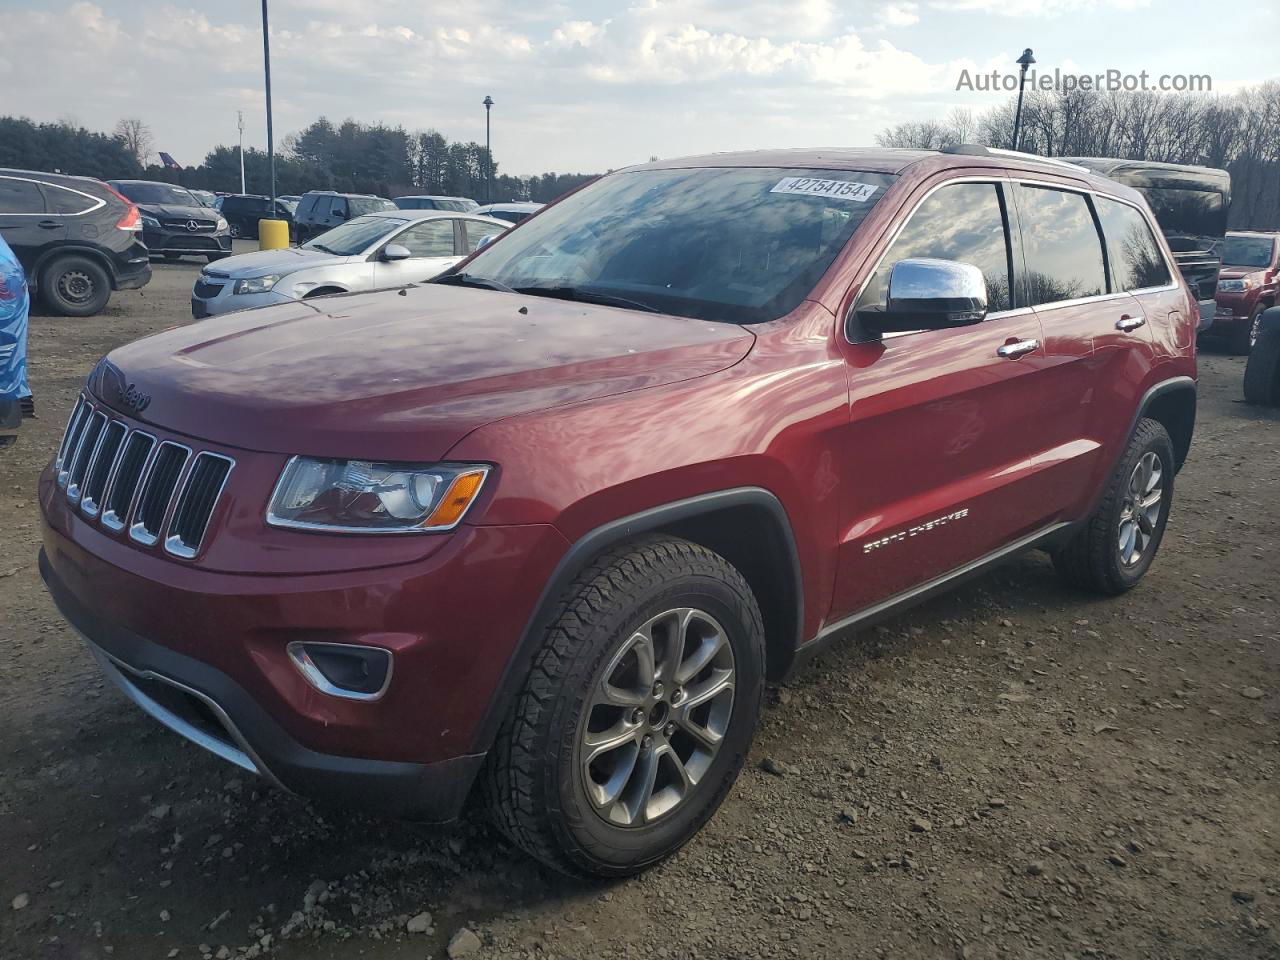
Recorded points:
1231,286
256,284
151,222
370,496
221,224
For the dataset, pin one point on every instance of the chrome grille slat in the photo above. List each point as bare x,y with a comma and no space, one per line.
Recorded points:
155,492
85,451
104,461
126,478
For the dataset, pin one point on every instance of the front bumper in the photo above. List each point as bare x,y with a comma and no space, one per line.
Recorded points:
211,710
222,300
184,242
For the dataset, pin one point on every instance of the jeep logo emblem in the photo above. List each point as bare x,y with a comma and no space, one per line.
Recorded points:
133,398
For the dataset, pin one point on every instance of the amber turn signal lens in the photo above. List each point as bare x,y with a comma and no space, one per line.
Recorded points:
456,500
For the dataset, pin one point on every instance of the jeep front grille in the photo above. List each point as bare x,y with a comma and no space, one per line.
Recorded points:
128,479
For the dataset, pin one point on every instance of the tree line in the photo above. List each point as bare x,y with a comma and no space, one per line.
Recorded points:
350,156
1239,133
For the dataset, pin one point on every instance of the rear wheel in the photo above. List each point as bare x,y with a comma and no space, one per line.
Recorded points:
1119,541
637,713
75,286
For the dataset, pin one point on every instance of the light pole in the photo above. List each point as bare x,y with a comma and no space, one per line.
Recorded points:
1023,62
240,124
488,153
266,63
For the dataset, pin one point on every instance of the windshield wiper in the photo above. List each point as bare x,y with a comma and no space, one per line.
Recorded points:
471,280
320,246
587,296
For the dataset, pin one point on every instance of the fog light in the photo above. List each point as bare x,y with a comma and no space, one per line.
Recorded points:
343,669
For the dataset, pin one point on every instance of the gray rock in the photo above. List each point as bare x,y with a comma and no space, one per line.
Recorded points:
464,943
1251,693
775,767
20,901
420,923
921,825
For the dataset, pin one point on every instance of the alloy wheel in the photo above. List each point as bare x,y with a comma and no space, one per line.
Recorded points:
1140,512
657,715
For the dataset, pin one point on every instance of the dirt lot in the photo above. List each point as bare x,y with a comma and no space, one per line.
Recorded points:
1015,770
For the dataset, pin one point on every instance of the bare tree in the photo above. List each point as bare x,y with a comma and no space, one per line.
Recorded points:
137,138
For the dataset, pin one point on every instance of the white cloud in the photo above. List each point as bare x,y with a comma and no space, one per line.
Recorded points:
899,14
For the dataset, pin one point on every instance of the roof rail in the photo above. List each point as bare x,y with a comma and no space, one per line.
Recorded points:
978,150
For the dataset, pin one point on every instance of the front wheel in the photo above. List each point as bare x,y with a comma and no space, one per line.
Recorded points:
1118,543
637,714
75,287
1245,335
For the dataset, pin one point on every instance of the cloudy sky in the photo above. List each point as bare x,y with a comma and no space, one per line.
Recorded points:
585,84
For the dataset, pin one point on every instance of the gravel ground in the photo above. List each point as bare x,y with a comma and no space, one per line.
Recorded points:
1014,770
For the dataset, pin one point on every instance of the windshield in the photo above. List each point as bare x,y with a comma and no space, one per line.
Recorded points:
738,244
354,236
159,193
1247,251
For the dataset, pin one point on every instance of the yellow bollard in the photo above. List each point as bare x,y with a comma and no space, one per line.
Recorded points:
273,234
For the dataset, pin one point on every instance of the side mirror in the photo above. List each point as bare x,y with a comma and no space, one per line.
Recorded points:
929,294
487,239
394,251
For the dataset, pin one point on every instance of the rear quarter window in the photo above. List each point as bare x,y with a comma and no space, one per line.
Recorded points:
67,202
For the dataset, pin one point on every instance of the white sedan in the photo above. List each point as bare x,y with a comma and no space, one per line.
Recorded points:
386,249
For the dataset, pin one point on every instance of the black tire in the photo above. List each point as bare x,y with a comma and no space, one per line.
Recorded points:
1262,371
1245,334
75,286
321,292
535,782
172,257
1092,560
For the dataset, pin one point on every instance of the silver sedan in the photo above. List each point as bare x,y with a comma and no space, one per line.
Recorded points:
385,249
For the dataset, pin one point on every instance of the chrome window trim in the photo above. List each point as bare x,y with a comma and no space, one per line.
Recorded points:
73,489
172,544
311,673
136,532
110,519
89,507
98,202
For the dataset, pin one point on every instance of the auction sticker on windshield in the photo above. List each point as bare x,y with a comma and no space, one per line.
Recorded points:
835,189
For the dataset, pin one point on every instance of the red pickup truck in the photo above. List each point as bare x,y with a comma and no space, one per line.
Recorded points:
540,530
1247,286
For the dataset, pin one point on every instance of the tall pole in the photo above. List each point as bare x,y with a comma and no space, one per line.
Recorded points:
266,62
488,152
1023,61
240,124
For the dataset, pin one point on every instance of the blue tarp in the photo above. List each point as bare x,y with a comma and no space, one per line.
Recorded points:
15,303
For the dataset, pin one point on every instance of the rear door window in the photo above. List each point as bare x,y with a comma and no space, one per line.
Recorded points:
1136,260
20,196
477,231
965,222
1061,244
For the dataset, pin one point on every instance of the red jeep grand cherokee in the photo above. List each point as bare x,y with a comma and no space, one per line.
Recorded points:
1247,286
544,528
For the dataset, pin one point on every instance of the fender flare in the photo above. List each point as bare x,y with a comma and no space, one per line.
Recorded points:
602,538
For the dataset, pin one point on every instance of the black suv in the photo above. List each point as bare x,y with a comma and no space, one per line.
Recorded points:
242,211
76,238
321,210
175,222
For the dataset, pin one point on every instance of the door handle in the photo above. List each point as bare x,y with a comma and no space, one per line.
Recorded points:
1018,348
49,224
1127,323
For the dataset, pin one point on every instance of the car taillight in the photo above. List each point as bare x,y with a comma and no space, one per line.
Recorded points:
132,219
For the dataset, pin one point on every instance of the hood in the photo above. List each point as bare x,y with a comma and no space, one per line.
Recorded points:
169,211
263,262
400,376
